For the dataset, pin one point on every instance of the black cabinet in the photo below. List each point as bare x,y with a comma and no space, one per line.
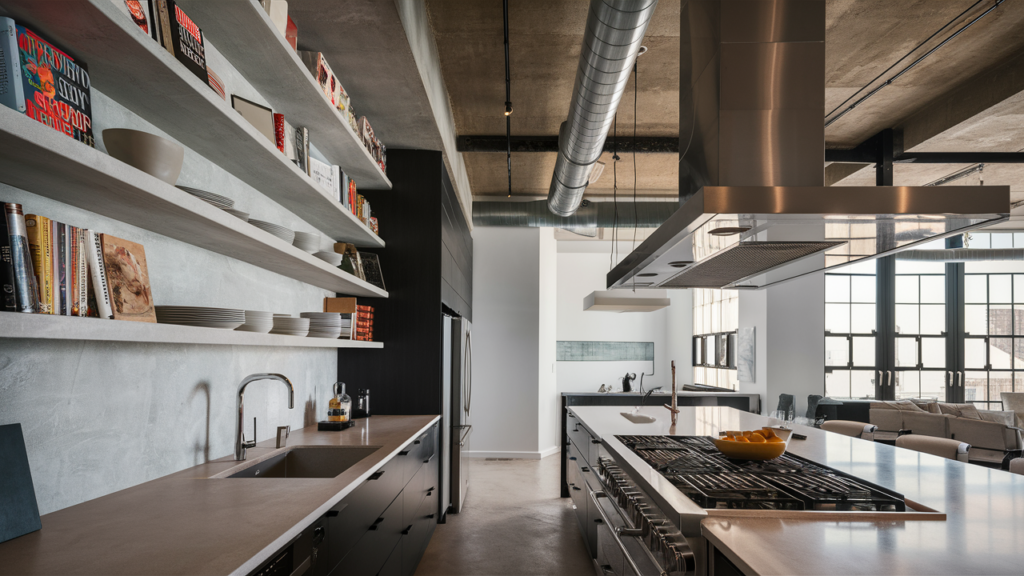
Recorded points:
427,267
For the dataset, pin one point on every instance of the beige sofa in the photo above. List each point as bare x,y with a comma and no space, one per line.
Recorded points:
990,434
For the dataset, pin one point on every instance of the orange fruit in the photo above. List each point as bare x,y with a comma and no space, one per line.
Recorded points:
757,438
775,440
742,439
767,433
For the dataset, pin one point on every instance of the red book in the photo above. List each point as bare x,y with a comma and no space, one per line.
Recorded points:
279,131
291,34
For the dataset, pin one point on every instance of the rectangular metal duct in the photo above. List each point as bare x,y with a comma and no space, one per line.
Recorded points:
752,136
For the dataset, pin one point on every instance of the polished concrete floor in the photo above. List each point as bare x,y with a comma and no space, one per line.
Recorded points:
513,523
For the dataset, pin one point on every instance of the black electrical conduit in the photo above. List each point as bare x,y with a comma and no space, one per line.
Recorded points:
912,64
508,106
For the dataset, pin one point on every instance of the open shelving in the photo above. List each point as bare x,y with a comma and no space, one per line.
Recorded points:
49,327
131,68
242,31
41,160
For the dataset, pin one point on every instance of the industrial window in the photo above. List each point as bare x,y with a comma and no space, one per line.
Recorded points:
715,321
850,331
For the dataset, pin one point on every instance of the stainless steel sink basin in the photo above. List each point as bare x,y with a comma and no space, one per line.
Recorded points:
308,462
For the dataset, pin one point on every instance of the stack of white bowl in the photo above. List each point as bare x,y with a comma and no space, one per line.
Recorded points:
290,326
323,324
279,231
225,318
243,216
306,242
257,321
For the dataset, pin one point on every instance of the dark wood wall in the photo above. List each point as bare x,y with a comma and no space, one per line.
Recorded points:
427,262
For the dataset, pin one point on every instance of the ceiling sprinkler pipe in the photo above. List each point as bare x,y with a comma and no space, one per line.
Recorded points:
611,43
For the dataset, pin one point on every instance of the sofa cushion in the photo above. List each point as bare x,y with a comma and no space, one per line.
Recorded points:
960,410
1006,418
905,405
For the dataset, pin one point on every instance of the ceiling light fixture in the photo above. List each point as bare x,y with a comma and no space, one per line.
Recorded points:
679,264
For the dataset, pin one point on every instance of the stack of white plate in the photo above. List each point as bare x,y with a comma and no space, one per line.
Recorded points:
323,324
279,231
284,324
256,321
332,258
226,318
215,199
244,216
306,242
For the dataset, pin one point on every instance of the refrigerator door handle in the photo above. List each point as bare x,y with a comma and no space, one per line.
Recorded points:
465,430
469,372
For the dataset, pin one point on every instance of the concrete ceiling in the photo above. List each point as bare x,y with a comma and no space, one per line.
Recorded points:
966,97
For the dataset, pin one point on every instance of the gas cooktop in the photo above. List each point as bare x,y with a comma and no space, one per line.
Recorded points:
694,466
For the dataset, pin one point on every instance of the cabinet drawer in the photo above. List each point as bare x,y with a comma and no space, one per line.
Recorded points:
424,444
353,516
579,435
415,543
372,550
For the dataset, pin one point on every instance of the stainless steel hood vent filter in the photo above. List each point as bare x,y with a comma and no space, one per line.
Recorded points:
744,260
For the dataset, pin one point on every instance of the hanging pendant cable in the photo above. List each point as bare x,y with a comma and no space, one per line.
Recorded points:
636,74
508,106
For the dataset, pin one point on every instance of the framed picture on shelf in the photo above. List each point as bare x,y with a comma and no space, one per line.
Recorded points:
371,270
261,117
127,280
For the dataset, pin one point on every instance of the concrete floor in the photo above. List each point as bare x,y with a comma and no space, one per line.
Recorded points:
513,523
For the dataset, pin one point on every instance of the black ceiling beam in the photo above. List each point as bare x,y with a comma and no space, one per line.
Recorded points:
644,145
961,157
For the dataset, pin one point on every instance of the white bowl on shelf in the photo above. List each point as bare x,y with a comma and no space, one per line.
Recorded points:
154,155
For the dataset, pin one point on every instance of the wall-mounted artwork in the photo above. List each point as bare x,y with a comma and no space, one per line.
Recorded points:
745,349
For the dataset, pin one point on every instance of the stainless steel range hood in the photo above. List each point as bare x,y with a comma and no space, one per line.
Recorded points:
754,210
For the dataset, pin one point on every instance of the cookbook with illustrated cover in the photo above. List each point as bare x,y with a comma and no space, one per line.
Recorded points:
56,87
127,279
183,39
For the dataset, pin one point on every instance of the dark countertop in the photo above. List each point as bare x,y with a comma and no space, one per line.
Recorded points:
190,523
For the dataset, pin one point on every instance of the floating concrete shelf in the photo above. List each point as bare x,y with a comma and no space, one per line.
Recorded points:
41,160
127,65
49,327
244,34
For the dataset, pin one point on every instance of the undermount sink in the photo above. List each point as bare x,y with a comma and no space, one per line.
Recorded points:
307,462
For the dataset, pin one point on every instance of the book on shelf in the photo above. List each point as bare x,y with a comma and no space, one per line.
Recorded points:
12,91
259,116
143,13
320,172
302,149
216,83
317,65
336,175
279,131
8,301
128,279
182,38
26,292
98,275
291,34
45,83
371,269
60,269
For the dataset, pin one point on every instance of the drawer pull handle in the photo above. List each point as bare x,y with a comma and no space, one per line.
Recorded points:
403,453
585,469
375,523
576,488
595,441
430,515
376,475
573,458
407,529
332,513
416,442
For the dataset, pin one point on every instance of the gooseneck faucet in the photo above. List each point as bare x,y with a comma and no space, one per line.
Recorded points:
240,443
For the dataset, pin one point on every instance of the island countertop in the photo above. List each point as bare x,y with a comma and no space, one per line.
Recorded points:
983,531
190,523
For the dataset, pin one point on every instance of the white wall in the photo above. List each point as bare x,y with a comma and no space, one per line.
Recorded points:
548,400
506,342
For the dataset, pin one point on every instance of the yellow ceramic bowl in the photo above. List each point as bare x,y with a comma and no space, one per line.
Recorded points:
754,451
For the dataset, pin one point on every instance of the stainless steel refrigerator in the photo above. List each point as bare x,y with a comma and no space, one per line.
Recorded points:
456,403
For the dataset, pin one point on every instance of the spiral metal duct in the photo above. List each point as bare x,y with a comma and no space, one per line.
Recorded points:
590,215
611,43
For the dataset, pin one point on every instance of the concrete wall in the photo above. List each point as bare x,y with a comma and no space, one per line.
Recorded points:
549,418
100,417
506,342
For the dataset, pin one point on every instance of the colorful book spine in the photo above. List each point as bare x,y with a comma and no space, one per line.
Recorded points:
37,230
57,88
26,292
12,91
74,294
98,274
61,269
83,275
279,132
8,298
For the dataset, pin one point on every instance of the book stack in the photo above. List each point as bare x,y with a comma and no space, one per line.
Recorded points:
374,146
48,267
363,320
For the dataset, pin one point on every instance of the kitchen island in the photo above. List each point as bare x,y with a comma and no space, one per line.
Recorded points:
977,525
198,522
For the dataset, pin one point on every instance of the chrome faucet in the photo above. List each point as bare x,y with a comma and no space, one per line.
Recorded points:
240,443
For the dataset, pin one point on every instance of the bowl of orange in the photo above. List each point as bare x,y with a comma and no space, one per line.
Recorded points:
763,444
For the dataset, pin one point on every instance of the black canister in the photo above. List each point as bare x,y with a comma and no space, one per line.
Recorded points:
362,405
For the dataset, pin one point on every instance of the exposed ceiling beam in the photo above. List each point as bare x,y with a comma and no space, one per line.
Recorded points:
644,144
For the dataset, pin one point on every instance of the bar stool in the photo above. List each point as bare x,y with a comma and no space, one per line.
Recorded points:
943,447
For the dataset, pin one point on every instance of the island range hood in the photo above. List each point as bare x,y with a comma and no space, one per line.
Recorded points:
754,210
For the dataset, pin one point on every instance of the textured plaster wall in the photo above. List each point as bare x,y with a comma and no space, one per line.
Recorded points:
100,417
